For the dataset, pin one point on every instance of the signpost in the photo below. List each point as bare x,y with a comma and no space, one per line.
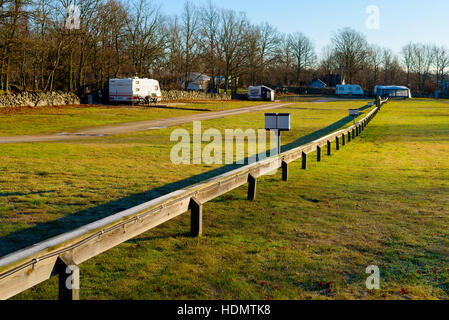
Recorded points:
279,122
354,113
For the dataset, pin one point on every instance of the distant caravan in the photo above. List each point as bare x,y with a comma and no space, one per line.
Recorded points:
399,92
134,90
349,90
262,93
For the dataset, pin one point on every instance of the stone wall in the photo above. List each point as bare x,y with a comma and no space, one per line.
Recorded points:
42,99
173,95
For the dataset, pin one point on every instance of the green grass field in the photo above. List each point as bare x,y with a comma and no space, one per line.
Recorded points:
382,200
26,121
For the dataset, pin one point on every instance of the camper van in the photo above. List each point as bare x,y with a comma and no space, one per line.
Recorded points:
349,90
260,93
134,90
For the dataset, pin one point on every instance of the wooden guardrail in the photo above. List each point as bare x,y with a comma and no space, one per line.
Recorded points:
26,268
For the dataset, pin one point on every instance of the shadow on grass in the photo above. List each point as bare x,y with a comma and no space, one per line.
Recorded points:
25,238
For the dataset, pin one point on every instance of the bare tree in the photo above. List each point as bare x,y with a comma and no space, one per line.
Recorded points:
423,58
190,33
107,42
303,51
261,51
328,62
374,60
441,63
282,62
210,23
387,64
269,40
232,38
146,37
407,60
14,18
253,63
174,59
350,49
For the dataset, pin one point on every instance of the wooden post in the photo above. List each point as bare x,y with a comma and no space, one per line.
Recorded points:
196,218
304,161
343,140
329,148
353,134
337,143
284,171
349,137
252,188
318,154
69,278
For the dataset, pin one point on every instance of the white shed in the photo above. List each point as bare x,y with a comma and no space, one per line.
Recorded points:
260,93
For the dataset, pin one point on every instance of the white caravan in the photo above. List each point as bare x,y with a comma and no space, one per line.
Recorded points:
134,90
349,90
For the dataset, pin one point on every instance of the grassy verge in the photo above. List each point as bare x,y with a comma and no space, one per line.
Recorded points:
381,201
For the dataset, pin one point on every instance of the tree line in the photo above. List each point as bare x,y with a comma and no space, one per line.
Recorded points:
42,48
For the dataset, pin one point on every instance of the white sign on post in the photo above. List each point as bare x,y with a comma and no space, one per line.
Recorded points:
279,122
354,112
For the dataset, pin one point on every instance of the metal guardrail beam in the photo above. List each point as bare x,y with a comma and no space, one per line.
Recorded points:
26,268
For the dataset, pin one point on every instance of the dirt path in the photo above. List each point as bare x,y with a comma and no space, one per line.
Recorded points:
129,127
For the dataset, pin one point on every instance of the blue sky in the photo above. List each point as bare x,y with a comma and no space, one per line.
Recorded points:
401,21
